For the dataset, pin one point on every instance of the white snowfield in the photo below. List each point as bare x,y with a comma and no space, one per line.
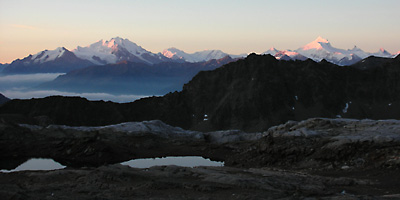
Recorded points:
339,130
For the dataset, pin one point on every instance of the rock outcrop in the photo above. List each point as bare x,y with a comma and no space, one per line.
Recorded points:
322,144
318,158
172,182
315,143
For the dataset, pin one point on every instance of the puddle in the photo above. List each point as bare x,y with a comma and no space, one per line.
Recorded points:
37,164
185,161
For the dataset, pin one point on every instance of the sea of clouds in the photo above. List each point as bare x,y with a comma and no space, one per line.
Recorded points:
23,87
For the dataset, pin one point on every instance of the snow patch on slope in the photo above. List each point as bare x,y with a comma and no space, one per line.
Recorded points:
48,55
97,50
200,56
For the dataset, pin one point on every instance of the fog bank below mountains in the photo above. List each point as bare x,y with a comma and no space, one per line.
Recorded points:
22,86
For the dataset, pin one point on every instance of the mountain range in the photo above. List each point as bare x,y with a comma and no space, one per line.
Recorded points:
321,49
250,94
47,61
201,56
3,99
116,50
132,78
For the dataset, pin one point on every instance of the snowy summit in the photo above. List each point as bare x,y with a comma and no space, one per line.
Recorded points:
321,48
48,55
116,50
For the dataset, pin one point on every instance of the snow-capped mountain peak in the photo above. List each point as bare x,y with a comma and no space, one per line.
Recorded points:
321,48
382,53
208,55
200,56
318,43
116,50
114,43
174,53
272,51
355,48
48,55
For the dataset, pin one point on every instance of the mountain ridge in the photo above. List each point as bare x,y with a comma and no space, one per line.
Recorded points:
3,99
119,49
60,60
199,56
321,48
250,94
132,78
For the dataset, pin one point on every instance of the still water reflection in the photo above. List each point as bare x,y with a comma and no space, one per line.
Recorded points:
37,164
185,161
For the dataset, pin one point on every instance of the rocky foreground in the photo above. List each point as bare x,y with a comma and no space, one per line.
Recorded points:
315,159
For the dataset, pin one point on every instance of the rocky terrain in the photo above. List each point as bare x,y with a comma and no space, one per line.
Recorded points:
317,158
282,129
172,182
252,95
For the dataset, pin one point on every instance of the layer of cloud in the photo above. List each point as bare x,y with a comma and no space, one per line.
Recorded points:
23,78
15,94
21,87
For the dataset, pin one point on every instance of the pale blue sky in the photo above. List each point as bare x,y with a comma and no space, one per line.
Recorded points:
234,26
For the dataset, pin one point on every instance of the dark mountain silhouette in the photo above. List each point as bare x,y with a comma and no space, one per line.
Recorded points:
252,94
134,78
371,62
3,99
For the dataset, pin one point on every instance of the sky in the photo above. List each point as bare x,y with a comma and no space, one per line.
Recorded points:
233,26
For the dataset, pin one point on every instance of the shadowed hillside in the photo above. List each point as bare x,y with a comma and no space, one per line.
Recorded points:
250,94
3,99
